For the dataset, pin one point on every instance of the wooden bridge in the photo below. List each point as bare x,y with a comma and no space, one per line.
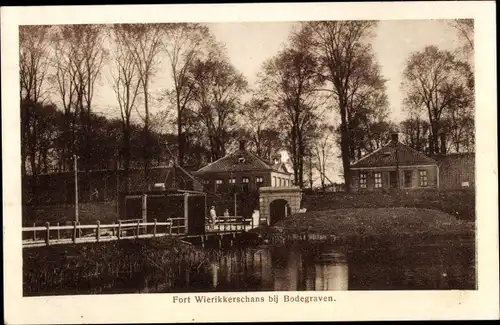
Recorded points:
48,234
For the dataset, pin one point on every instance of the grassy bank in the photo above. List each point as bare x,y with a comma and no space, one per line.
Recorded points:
459,203
90,268
374,222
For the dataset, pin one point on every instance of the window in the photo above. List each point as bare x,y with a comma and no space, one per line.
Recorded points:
244,184
362,180
232,181
218,184
259,181
423,178
241,160
279,181
378,180
206,183
408,177
274,181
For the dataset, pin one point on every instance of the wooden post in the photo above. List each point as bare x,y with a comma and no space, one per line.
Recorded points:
113,229
34,231
47,234
58,232
170,227
76,186
186,212
119,229
74,231
154,228
98,231
137,229
144,207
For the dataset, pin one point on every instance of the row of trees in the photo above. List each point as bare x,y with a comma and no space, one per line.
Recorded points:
439,96
324,89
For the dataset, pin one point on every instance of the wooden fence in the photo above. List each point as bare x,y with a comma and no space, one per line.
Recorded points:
230,224
77,233
125,229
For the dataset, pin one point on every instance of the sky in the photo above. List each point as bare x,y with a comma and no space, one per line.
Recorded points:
248,45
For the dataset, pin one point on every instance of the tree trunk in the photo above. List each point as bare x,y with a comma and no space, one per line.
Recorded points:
146,140
345,146
180,136
126,155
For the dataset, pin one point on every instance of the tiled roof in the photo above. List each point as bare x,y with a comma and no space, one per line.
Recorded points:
386,157
232,163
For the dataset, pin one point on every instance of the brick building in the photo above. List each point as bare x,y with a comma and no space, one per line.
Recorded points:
384,167
457,170
243,170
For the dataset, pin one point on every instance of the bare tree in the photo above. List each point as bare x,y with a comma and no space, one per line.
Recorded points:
289,79
33,67
323,152
79,55
436,81
465,29
347,62
144,43
125,84
218,89
258,115
184,42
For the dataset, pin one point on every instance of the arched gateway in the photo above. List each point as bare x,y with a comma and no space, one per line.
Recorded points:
277,202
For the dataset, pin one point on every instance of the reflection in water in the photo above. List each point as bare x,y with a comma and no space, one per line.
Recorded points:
331,272
215,273
438,265
280,269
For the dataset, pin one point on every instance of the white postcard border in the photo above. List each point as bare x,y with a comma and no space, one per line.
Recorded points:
363,305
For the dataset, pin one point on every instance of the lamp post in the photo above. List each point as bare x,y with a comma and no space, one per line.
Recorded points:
398,185
117,183
75,158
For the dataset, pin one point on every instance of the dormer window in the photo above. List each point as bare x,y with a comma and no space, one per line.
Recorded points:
241,160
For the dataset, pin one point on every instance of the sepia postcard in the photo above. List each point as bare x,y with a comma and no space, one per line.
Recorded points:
250,162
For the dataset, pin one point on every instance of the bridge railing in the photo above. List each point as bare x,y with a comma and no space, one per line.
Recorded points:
77,233
232,223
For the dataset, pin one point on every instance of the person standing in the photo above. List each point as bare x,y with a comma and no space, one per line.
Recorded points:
213,216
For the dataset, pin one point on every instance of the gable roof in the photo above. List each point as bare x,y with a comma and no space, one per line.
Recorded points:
232,163
386,157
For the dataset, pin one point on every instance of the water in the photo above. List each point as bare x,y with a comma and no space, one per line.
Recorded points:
427,264
405,263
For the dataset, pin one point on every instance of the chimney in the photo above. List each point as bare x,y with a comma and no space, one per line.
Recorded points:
276,159
242,144
394,137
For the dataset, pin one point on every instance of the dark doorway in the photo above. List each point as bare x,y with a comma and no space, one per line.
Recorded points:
277,210
394,179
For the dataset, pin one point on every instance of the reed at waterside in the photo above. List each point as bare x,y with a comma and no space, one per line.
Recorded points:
96,267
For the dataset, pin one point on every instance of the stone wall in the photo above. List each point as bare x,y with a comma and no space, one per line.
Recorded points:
268,194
